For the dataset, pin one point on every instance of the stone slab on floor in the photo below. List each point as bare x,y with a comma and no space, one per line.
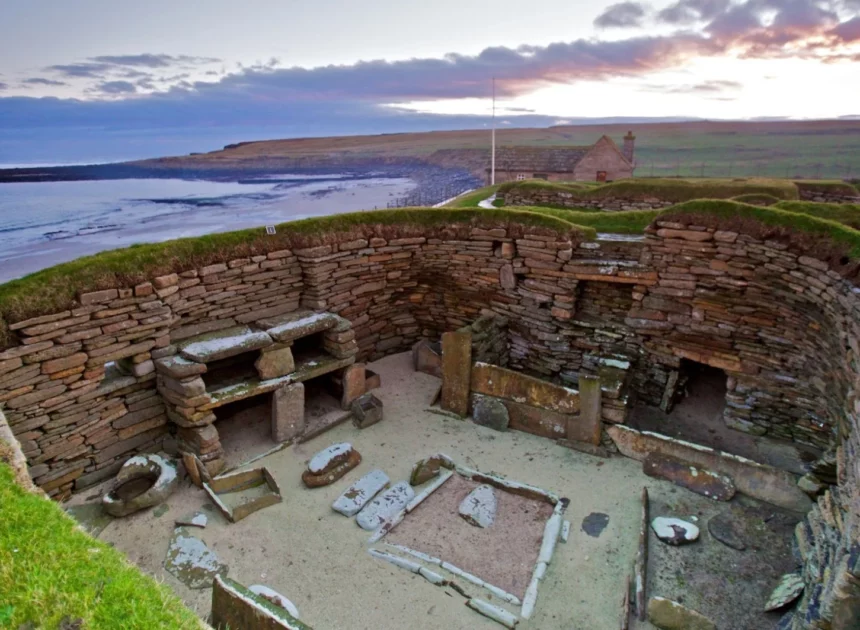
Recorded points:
385,505
361,492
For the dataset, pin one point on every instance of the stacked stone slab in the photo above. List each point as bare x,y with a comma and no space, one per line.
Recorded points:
549,197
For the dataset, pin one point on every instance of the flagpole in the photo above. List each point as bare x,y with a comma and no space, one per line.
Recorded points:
493,151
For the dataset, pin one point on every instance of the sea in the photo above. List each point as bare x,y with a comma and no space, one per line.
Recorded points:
46,223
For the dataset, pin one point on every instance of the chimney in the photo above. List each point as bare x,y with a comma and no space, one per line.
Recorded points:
629,144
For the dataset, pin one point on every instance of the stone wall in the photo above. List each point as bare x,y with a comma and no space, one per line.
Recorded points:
560,198
826,197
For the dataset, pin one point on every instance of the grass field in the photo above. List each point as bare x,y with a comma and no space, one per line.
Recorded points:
784,149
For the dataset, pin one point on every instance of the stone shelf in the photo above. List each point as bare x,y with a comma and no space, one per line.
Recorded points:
306,369
286,328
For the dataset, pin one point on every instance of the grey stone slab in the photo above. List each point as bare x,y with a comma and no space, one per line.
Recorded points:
358,494
298,324
329,457
385,506
223,344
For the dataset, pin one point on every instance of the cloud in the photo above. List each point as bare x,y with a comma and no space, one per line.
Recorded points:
43,81
149,60
705,87
690,11
116,87
81,70
622,15
4,86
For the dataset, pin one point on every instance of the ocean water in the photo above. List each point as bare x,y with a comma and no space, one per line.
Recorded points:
44,223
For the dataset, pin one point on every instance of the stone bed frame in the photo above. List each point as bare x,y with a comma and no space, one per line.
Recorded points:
783,326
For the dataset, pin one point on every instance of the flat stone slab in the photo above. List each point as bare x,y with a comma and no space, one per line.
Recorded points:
223,344
385,506
479,506
191,561
669,615
179,367
699,480
674,531
359,493
198,519
722,527
299,324
500,382
324,479
329,457
790,587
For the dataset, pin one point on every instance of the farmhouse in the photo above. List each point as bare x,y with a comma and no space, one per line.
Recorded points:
602,161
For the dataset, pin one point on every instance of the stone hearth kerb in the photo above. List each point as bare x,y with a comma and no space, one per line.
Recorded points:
192,391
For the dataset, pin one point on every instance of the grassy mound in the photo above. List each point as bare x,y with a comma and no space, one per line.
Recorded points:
625,222
827,186
54,289
757,199
846,213
672,190
51,571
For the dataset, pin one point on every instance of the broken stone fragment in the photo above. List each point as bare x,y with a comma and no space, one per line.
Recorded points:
789,589
384,506
198,519
723,528
426,469
323,479
669,615
684,474
479,506
329,457
490,412
274,597
674,531
358,494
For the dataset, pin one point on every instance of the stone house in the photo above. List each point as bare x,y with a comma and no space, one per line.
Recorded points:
602,161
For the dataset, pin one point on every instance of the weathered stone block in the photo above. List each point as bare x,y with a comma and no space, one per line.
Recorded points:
288,412
427,357
501,382
353,384
275,363
223,344
234,606
366,411
456,371
490,412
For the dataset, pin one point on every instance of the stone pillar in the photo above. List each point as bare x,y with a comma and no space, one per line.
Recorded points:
288,412
588,426
456,371
354,384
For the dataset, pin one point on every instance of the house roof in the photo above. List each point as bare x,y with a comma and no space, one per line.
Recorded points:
539,159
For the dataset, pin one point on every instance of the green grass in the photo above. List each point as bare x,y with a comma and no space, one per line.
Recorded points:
672,190
757,199
846,213
54,289
50,570
471,200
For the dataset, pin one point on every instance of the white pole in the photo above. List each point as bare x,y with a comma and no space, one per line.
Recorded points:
493,152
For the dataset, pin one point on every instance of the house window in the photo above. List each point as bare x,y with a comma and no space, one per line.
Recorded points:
601,176
521,177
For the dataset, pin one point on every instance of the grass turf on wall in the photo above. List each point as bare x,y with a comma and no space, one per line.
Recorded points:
54,289
50,570
672,190
827,186
845,213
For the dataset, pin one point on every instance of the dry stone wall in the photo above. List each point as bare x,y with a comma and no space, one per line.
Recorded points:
560,198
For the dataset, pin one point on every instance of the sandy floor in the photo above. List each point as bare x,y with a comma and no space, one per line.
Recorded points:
319,559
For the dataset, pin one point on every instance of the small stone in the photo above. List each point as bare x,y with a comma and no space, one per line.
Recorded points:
275,598
198,519
323,479
669,615
811,485
329,457
789,589
385,506
359,493
490,412
723,529
479,506
275,363
674,531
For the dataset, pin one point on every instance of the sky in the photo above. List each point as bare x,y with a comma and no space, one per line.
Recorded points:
178,76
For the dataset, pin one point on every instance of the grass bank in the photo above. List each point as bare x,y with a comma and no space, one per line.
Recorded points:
472,199
845,213
54,289
672,190
827,186
51,571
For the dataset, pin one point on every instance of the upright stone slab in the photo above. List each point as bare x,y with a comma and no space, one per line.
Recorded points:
234,606
587,426
288,412
354,384
456,371
490,412
479,506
